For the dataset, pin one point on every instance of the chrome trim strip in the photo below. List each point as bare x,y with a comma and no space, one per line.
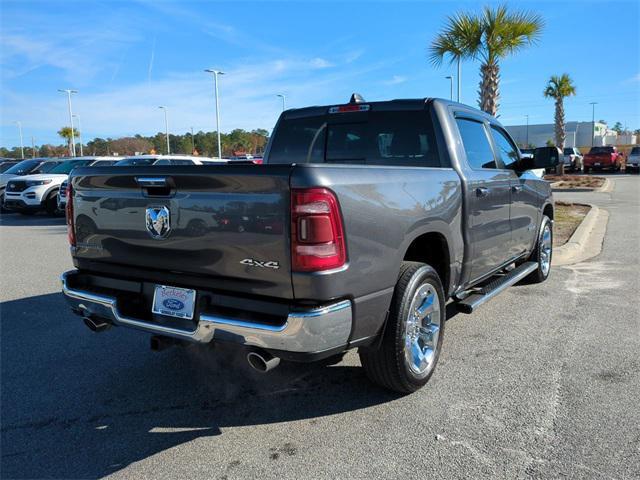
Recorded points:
151,181
311,331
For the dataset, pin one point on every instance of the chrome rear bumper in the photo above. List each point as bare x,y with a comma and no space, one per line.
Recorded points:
304,331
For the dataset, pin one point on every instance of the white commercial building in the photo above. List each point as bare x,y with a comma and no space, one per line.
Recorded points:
578,134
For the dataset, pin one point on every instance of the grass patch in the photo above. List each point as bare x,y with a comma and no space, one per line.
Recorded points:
567,217
574,181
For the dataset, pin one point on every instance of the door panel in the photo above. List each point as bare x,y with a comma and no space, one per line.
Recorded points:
488,198
490,228
524,198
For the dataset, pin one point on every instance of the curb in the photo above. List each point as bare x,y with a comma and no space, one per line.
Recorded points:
607,186
586,241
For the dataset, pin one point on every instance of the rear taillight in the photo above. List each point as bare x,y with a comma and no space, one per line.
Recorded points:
317,235
257,161
69,214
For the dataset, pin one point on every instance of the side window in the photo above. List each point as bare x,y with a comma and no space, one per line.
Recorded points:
507,152
164,161
476,144
182,162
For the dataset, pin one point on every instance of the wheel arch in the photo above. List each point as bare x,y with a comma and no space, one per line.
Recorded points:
434,249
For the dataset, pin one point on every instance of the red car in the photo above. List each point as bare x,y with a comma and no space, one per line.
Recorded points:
600,158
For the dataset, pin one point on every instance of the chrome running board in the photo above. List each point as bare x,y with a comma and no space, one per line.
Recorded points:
493,288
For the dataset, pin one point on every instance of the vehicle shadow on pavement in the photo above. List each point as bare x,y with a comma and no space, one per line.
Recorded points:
18,220
76,404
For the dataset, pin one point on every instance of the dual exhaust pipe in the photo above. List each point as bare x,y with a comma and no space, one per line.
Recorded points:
260,360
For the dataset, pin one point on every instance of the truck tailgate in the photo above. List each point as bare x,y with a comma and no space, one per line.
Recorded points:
228,223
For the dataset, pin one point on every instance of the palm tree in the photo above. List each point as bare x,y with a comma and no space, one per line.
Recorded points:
558,88
67,133
489,37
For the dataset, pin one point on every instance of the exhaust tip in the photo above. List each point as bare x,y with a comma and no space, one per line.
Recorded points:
95,325
262,362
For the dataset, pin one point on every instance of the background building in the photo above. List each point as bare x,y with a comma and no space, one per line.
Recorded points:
578,134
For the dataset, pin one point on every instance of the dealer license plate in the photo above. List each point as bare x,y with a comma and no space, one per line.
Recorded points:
173,301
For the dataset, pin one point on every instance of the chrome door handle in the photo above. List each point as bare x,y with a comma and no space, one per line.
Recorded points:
482,192
516,188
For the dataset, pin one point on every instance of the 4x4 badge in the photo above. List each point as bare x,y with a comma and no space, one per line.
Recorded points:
257,263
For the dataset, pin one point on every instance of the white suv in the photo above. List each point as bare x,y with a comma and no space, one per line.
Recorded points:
633,160
573,159
32,193
98,162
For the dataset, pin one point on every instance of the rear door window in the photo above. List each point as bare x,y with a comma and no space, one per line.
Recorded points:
476,144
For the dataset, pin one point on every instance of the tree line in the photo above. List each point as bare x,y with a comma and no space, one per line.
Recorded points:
202,143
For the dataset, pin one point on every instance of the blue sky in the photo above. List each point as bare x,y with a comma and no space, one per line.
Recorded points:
127,57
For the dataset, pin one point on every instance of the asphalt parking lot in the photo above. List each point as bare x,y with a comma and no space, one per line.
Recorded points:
541,382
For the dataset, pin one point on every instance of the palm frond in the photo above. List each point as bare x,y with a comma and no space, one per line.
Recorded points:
460,38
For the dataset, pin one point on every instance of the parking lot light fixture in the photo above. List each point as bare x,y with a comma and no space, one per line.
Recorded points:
215,86
21,142
68,91
77,117
166,127
450,78
527,140
283,96
593,121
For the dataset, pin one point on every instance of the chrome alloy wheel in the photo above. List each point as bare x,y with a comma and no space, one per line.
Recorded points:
422,329
545,250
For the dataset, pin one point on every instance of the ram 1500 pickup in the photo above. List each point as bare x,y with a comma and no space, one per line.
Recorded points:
363,221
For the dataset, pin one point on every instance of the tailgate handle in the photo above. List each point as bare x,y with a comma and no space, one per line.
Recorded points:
156,186
145,182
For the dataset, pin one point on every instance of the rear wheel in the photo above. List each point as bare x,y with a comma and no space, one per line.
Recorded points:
412,339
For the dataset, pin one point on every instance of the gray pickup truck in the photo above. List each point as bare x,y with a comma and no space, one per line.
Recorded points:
363,221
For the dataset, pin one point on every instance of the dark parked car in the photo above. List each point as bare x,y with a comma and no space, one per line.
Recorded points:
7,164
364,219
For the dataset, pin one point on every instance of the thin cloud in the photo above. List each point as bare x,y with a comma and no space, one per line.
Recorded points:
153,54
320,63
395,80
634,79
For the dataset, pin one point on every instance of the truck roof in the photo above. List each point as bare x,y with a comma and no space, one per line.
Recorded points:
388,105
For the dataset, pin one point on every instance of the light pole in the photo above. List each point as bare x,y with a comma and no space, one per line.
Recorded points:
215,84
450,78
459,75
21,142
72,150
527,141
77,117
283,96
593,121
33,147
193,142
166,126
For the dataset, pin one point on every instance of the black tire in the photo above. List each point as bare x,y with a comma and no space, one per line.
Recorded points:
386,365
539,275
51,204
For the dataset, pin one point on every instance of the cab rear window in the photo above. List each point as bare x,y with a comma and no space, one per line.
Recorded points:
401,138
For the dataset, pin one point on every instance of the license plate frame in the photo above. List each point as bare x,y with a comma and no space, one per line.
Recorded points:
174,302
